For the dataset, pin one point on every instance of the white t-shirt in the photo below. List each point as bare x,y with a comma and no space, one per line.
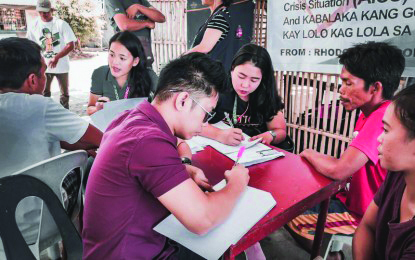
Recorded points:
52,37
31,128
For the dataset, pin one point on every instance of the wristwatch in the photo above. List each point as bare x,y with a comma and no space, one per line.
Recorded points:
186,160
274,135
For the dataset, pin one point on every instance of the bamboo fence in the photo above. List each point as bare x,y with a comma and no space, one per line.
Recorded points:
315,119
169,39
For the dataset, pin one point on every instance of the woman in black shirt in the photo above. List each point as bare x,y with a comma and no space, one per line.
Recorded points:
252,104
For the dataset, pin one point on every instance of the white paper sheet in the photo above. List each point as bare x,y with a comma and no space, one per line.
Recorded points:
253,205
255,151
102,118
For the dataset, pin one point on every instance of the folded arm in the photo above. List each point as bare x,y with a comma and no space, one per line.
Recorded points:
152,13
127,24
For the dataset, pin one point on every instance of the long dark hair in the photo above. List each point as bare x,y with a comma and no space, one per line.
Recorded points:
404,109
227,3
264,101
140,84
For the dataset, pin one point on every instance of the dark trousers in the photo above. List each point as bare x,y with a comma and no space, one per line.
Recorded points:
186,254
63,80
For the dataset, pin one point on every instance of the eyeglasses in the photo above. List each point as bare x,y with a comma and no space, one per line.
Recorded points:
208,115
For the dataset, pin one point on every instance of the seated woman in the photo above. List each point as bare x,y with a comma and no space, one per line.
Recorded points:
387,230
125,76
252,104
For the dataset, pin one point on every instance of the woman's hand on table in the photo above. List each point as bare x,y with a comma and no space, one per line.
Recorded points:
199,177
266,138
100,102
231,136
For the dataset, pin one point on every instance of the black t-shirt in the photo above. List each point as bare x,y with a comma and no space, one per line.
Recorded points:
244,117
394,240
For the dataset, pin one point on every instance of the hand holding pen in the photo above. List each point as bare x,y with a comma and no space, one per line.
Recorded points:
238,175
231,136
239,155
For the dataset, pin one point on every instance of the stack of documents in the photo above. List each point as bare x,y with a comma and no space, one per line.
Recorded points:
251,207
255,152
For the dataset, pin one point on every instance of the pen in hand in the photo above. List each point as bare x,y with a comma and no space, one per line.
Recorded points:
240,153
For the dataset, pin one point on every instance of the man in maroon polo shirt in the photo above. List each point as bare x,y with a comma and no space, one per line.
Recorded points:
138,177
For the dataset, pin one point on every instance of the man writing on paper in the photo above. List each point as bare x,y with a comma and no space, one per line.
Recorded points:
370,76
138,177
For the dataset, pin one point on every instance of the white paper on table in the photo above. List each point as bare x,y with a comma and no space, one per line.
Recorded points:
224,148
194,146
251,207
102,118
255,152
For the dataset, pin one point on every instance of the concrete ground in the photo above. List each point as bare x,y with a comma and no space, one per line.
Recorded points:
278,245
80,81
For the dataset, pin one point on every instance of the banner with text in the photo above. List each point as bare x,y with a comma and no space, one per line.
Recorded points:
307,35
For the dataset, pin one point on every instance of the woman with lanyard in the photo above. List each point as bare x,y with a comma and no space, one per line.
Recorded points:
216,36
125,76
252,104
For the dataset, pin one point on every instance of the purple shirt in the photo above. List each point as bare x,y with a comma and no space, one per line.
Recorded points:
393,239
137,163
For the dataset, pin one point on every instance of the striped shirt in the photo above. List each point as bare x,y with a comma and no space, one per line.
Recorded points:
219,22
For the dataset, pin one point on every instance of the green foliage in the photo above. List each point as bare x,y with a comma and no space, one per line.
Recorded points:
77,14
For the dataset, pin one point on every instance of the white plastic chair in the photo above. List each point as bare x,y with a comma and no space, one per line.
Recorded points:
337,242
52,172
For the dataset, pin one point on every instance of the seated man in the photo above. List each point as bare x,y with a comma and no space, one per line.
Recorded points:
387,230
138,177
33,127
370,76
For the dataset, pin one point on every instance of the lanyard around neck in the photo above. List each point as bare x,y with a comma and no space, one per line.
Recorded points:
234,118
127,91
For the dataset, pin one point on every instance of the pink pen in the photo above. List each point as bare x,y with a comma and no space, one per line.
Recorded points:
240,153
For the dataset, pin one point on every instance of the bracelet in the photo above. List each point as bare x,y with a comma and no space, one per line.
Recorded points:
186,160
273,134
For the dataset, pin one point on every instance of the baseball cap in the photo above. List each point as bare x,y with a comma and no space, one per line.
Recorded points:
43,6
